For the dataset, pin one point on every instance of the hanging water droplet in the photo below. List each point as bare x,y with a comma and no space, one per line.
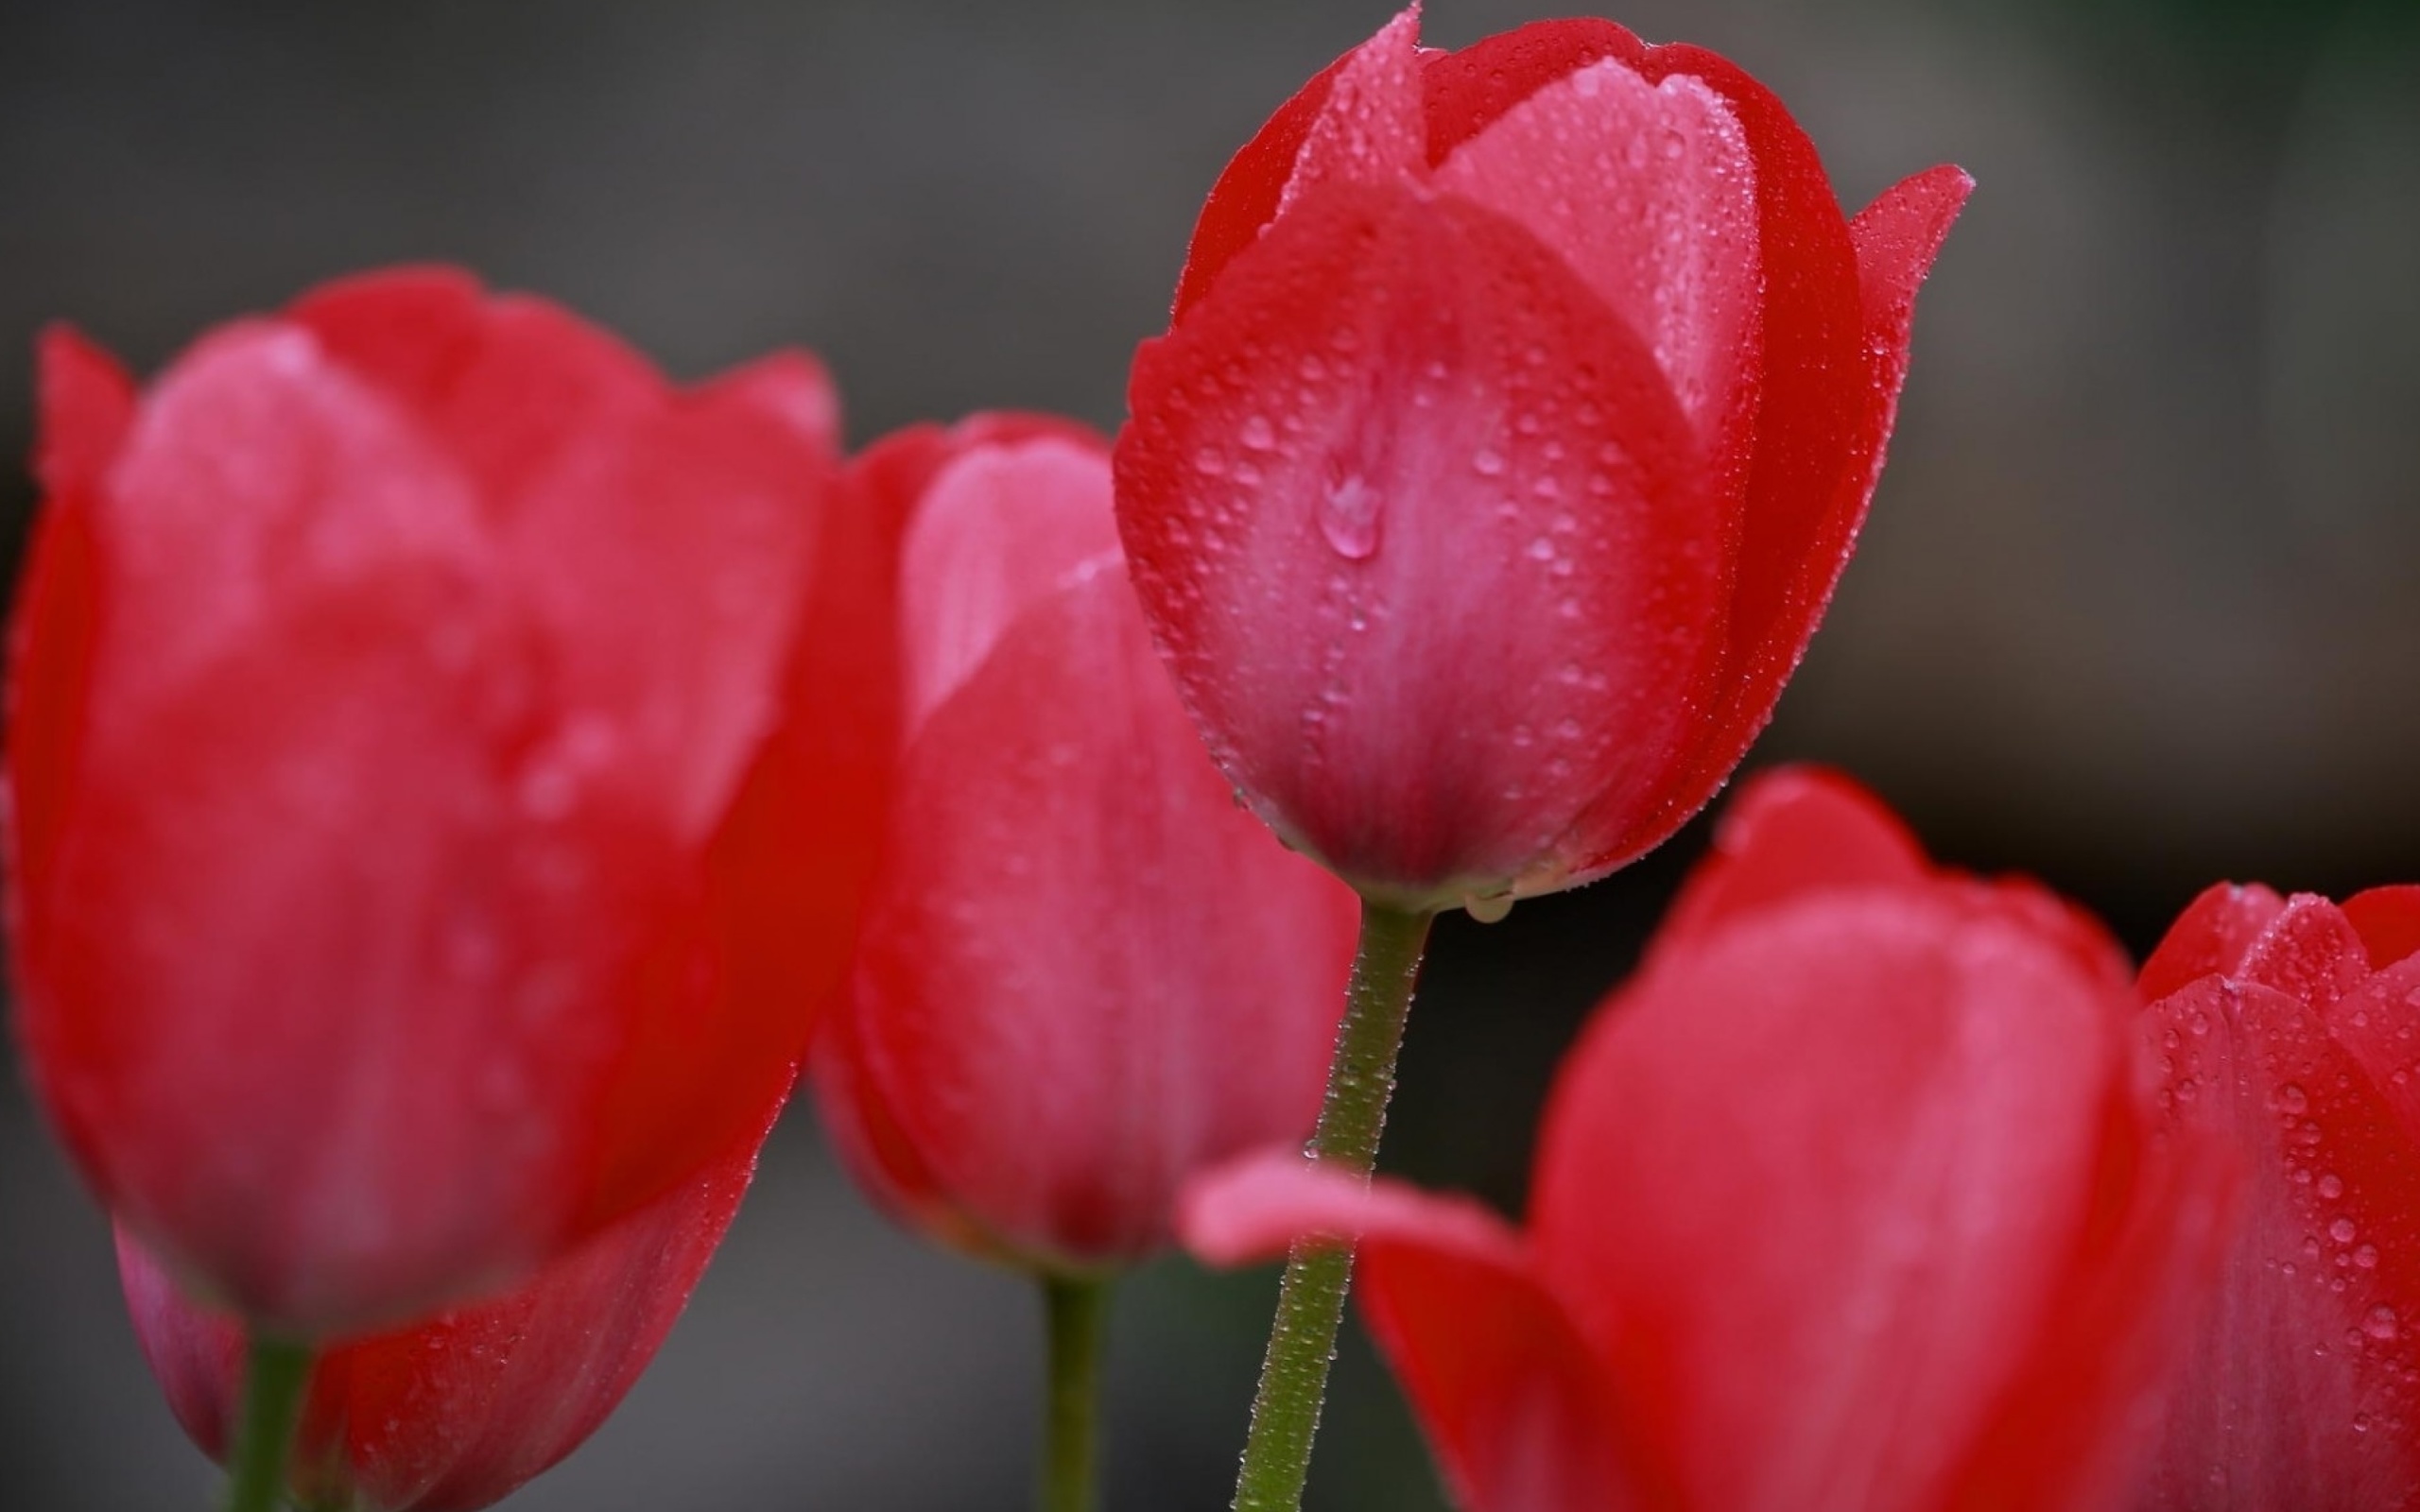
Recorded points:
1489,909
1349,518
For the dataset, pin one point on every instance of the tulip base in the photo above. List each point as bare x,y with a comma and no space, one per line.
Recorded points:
1077,1313
1310,1300
276,1374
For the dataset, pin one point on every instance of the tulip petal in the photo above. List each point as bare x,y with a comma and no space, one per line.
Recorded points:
1647,191
1370,129
1792,830
1402,423
1060,773
455,1413
261,466
788,386
87,404
2389,920
1468,90
2295,1392
2210,936
1244,200
87,407
1513,1405
1820,420
2309,952
1892,1101
1001,528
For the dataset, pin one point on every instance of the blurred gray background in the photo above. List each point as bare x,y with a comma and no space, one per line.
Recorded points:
2136,611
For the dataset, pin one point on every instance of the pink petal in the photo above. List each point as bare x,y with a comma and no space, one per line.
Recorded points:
1244,200
2210,936
2295,1392
1793,831
1514,1406
1649,193
1466,91
457,1412
1370,129
1085,973
87,404
2309,952
1830,375
1405,428
998,528
790,386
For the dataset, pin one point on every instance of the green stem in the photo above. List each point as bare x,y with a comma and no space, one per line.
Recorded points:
1078,1322
275,1374
1311,1300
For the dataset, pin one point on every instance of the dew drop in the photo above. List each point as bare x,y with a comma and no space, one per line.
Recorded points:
2366,1256
1489,909
1209,463
1259,434
2331,1186
2341,1230
1487,464
1349,518
2292,1099
2380,1323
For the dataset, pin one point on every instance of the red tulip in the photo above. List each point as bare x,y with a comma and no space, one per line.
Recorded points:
428,836
457,1412
1520,409
1084,973
1849,1199
2292,1029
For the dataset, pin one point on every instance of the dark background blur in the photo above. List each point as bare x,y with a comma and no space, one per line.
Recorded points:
2137,608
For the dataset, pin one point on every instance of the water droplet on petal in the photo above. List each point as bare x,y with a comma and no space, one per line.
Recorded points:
2381,1323
1487,464
1259,434
1349,518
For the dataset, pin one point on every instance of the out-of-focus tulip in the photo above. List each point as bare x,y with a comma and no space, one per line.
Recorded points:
456,1411
431,823
1083,974
1850,1199
1519,411
2291,1028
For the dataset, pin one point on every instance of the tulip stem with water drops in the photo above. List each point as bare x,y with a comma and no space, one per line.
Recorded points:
1310,1300
276,1373
1078,1314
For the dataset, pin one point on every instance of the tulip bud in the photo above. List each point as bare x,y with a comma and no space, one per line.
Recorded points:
1850,1199
458,1410
1519,411
2291,1029
418,788
1084,973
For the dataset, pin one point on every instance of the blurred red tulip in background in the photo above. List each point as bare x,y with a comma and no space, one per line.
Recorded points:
1085,973
1519,412
420,856
2291,1027
455,1413
1851,1199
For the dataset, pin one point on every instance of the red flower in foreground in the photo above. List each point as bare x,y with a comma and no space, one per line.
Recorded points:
1083,974
1520,409
458,1411
2291,1028
1850,1199
426,845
